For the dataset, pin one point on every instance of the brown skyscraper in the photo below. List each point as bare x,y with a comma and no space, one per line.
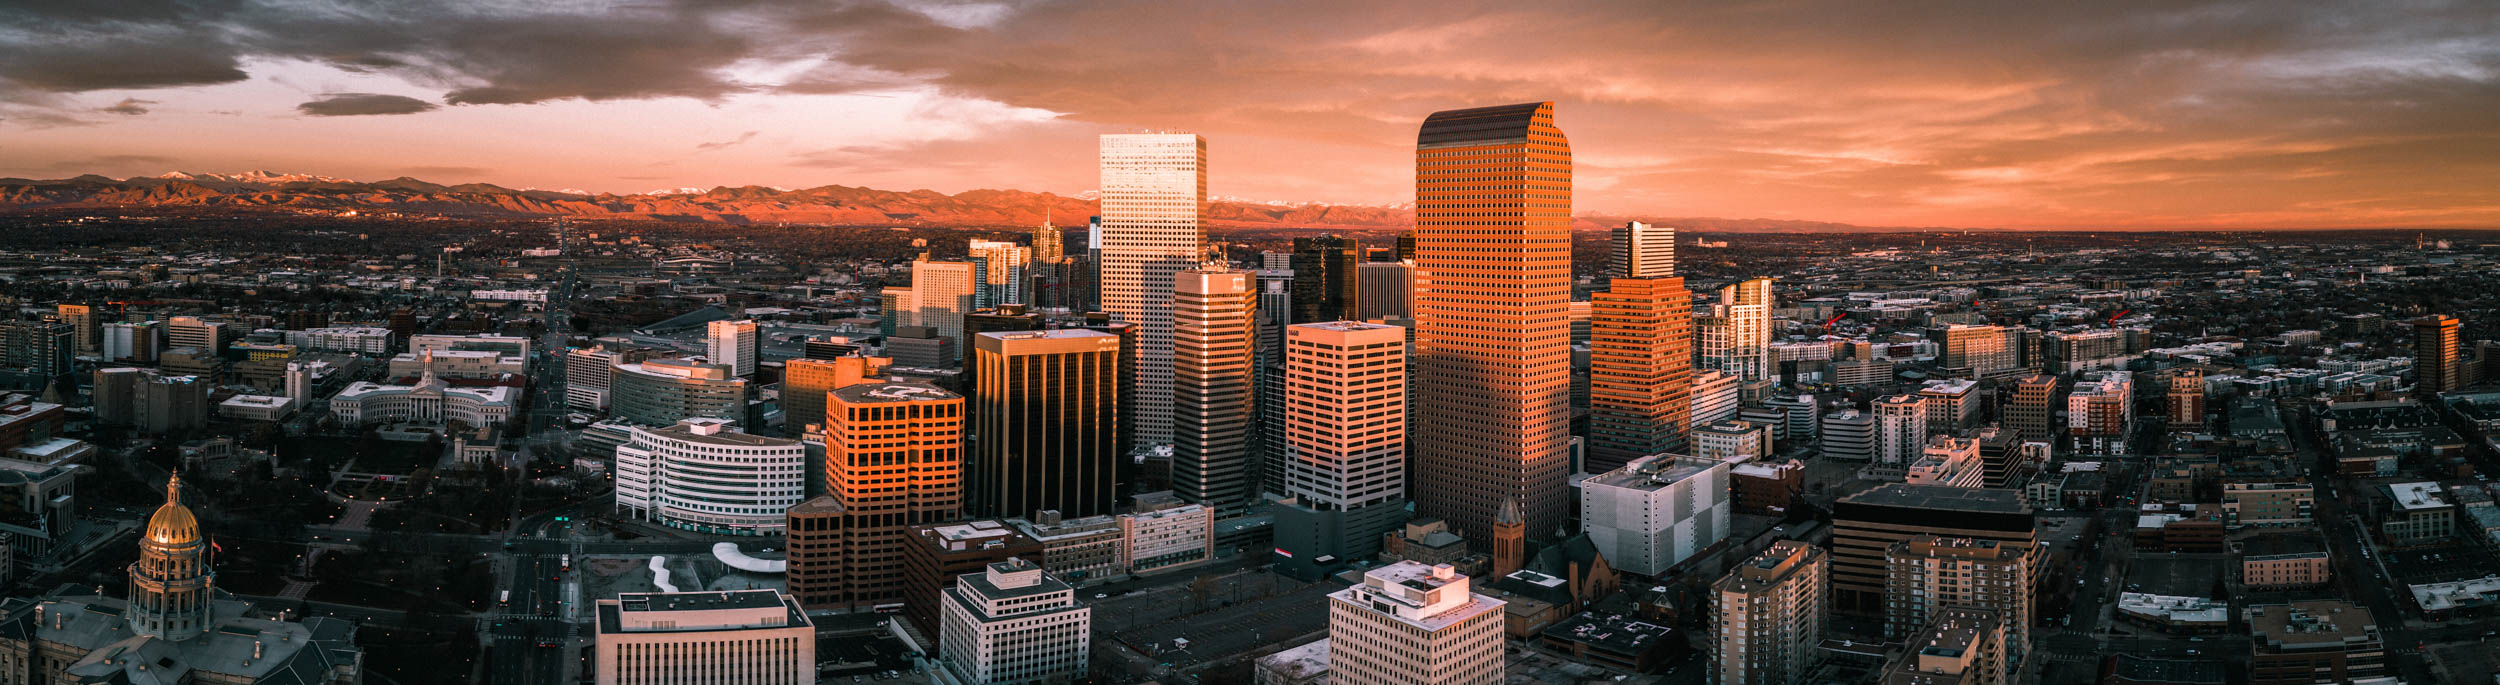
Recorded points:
2435,354
893,458
2032,412
1640,371
1493,228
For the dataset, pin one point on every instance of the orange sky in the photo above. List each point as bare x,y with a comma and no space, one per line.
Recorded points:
2120,114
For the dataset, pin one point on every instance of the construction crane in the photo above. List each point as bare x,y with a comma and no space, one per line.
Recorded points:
2113,318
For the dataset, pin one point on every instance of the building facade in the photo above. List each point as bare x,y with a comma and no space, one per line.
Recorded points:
1411,623
1657,511
1013,625
705,476
1212,350
1154,191
1769,613
1047,411
758,637
1640,362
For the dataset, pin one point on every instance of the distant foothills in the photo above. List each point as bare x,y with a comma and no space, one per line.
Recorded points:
743,205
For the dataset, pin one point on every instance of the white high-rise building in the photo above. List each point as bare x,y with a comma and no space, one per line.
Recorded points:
1900,429
942,292
1736,335
1345,414
1715,395
755,637
732,344
1003,266
1770,612
1411,623
1657,511
1849,434
192,331
1642,251
703,475
1154,191
1012,623
299,382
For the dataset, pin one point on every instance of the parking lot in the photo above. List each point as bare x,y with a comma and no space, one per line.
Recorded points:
841,658
2439,564
2188,575
1263,609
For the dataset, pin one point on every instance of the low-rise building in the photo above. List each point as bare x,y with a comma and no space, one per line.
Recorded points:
1959,646
256,407
1167,539
2174,614
2440,600
668,637
1011,624
2414,513
1411,623
2272,505
2315,641
2284,562
1077,551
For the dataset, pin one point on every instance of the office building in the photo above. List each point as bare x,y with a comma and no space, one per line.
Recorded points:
1493,230
2100,411
1656,512
1736,334
133,342
893,459
2005,461
364,340
1641,251
758,637
705,476
1011,624
662,392
1850,435
2032,411
1046,413
1959,646
1165,536
1978,351
732,344
1866,525
1640,368
941,293
1326,278
86,332
192,331
1732,440
1952,404
1002,268
2316,641
829,347
589,371
1926,575
1949,461
922,347
1212,345
2435,355
934,555
1049,246
1411,623
1267,423
1901,428
39,348
1387,292
1154,191
804,383
1716,396
1344,458
1769,613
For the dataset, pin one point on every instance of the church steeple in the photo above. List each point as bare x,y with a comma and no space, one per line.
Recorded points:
1510,538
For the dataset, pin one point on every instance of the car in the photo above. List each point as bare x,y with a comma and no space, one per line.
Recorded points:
1099,595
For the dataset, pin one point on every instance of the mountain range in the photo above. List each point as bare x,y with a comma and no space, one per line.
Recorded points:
832,205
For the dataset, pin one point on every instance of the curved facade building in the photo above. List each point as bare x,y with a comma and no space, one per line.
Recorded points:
662,392
702,475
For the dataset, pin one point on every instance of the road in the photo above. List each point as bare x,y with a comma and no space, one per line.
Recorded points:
532,641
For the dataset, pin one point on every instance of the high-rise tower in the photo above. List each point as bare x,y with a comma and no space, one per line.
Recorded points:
1211,349
1642,251
1326,274
732,344
1154,189
1736,336
2435,354
1046,413
1640,371
1493,229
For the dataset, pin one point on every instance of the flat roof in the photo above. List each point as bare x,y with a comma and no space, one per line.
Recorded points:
2311,624
1941,497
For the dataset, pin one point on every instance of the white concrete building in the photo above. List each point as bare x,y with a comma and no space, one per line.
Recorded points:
749,637
430,402
1732,440
371,340
256,407
443,342
704,475
1715,395
1849,434
509,295
1657,511
732,344
1011,625
1167,539
1949,461
476,364
1411,623
1154,192
1900,429
1735,334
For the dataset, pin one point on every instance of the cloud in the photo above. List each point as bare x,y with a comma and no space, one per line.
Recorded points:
740,140
128,107
356,104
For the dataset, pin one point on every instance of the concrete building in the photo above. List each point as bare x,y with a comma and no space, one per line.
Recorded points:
936,554
2414,513
1735,336
2100,411
732,344
1866,525
1640,368
1012,625
1345,455
1656,512
2268,505
256,408
460,364
1168,538
1387,293
1411,623
1928,575
2031,411
133,342
2314,641
365,340
1849,435
2277,562
662,392
1492,415
1047,410
1769,613
705,476
1952,404
1901,429
1153,195
40,348
1732,440
1077,550
2436,363
1640,250
1715,396
1212,388
589,371
86,332
430,402
2186,403
1976,350
1002,267
1960,646
893,458
760,637
192,331
1949,461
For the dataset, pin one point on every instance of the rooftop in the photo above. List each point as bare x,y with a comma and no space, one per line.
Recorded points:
893,391
1654,472
1941,498
2313,624
1617,633
2415,496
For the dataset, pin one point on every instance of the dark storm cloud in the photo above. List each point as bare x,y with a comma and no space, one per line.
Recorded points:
355,104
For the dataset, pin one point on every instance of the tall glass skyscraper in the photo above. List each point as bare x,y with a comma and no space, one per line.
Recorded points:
1213,341
1493,228
1154,191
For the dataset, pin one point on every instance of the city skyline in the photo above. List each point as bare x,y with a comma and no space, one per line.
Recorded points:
2205,115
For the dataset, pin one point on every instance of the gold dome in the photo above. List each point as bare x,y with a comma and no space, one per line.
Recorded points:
172,524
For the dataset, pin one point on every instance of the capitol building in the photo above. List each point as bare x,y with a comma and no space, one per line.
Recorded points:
174,627
431,401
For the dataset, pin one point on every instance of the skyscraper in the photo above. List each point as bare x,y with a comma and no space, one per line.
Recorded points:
1770,613
732,344
1640,371
88,337
1900,429
1736,336
1326,277
894,458
1387,292
1045,413
42,348
2032,412
1002,267
1048,245
1345,455
1493,228
1267,427
2187,399
942,292
1927,574
2435,355
1154,189
1212,344
1642,251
